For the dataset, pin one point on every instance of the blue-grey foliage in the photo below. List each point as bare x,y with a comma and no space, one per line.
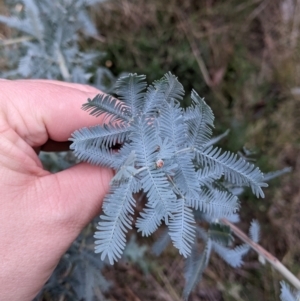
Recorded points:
50,41
78,275
254,231
135,253
195,267
274,174
165,151
217,238
287,294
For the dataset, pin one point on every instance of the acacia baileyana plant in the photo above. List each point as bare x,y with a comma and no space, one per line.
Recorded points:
166,152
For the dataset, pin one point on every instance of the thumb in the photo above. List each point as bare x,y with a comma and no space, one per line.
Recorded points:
80,191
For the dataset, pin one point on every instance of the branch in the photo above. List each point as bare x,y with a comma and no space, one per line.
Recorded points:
265,254
196,52
63,66
8,42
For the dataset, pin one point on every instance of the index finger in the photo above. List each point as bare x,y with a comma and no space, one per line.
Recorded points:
42,110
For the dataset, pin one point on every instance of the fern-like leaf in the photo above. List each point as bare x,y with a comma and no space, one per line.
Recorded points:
216,203
207,175
200,120
155,97
171,125
232,256
158,190
118,210
182,228
130,89
109,106
174,89
98,156
274,174
236,170
185,177
16,23
162,242
287,294
254,231
106,135
195,268
33,16
150,219
220,234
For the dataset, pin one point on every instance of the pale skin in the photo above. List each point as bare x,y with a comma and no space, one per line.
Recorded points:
41,213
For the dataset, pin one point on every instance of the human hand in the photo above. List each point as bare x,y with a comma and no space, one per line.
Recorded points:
41,213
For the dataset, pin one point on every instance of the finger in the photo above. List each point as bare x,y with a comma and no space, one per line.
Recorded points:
48,110
81,190
69,111
81,87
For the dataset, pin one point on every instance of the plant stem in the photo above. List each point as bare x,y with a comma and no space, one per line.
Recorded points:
140,170
265,254
195,49
8,42
184,150
63,66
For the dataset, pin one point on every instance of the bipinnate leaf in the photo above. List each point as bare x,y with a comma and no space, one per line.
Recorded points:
254,231
115,222
16,23
200,120
215,203
173,89
287,294
155,97
109,106
234,257
131,90
107,135
182,228
195,267
150,219
162,242
220,233
274,174
235,169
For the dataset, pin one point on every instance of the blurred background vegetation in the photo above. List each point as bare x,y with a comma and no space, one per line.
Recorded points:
243,57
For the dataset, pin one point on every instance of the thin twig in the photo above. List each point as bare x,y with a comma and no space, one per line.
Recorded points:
159,289
257,10
265,254
63,66
196,52
295,27
168,285
98,38
245,5
8,42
